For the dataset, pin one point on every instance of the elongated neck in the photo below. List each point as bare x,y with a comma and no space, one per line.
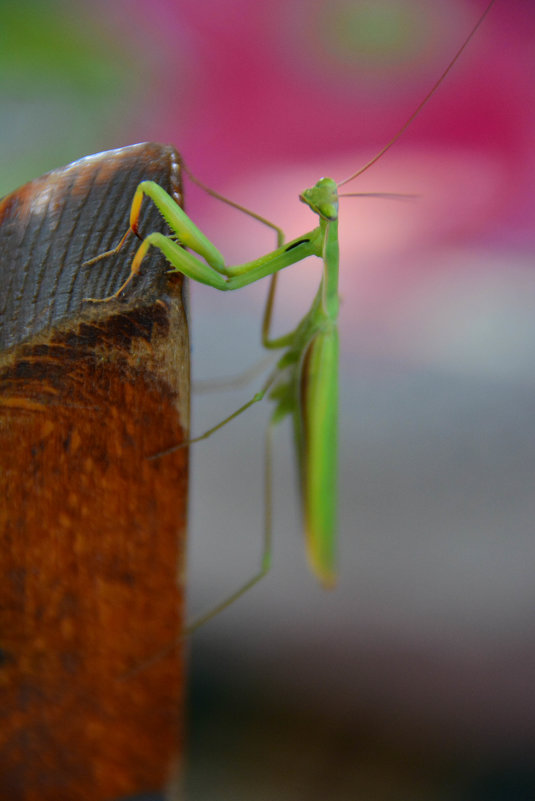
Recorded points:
331,258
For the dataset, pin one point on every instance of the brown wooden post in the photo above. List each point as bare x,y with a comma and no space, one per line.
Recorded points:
92,533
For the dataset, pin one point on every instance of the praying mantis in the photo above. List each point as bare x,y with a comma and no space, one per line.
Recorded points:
304,383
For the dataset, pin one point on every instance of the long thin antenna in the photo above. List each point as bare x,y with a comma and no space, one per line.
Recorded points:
380,195
424,101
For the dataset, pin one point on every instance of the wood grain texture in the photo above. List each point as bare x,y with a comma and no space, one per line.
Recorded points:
92,532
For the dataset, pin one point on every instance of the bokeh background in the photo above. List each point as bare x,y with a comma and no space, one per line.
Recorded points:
414,678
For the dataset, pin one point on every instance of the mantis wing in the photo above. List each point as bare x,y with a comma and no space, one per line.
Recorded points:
316,429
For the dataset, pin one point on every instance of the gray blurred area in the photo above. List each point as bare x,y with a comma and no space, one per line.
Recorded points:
413,678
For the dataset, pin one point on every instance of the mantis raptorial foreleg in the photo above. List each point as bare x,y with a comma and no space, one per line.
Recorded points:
212,271
235,277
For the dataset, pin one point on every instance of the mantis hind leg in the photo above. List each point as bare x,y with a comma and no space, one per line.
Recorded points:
265,562
257,397
241,379
278,231
278,342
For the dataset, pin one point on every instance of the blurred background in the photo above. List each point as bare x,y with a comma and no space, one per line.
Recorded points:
414,678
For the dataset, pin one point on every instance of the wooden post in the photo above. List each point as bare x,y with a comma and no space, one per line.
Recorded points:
92,533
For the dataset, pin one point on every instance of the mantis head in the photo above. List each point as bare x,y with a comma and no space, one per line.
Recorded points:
322,199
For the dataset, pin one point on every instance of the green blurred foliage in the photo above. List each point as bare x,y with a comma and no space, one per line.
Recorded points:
63,79
382,33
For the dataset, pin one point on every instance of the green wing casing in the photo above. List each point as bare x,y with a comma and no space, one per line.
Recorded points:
316,426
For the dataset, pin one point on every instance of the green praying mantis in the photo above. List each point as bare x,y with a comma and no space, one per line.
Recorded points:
304,382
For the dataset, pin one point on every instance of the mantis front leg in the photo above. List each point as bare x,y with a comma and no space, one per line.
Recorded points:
212,271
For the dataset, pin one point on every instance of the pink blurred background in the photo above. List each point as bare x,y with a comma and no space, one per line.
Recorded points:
263,99
424,655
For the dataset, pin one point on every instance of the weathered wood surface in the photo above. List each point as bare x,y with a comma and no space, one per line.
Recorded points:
92,533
